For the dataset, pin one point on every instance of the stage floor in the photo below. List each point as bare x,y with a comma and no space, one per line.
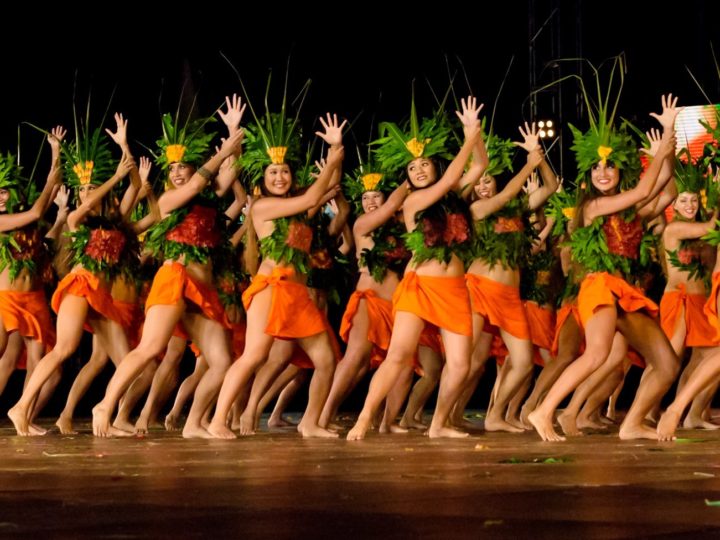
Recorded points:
278,485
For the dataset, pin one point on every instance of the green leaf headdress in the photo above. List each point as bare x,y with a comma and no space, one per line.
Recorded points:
368,176
691,176
604,141
272,138
87,159
9,180
397,146
187,142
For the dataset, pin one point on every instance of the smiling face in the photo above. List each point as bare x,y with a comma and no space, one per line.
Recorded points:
180,173
4,198
278,179
486,187
421,172
605,177
372,200
687,205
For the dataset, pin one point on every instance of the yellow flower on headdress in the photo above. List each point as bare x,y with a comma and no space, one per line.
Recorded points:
277,154
604,152
416,147
371,180
175,152
703,197
84,171
569,212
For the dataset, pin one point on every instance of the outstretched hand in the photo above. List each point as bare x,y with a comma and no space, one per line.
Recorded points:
333,130
56,136
470,111
669,112
653,137
144,169
120,133
530,136
235,110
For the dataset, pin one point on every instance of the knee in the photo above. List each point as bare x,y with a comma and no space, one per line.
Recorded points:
399,356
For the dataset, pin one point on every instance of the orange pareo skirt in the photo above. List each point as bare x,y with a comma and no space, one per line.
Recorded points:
699,331
88,286
602,289
28,314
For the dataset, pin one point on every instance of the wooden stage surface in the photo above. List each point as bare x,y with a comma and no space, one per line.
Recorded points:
278,485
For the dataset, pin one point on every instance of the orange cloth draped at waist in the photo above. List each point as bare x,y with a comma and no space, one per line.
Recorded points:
28,313
499,304
710,309
292,312
602,289
699,332
86,285
441,301
562,315
172,283
380,322
542,329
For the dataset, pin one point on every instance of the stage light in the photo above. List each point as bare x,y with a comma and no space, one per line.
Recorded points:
546,129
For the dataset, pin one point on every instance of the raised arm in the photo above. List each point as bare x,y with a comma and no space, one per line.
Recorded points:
78,215
421,199
153,215
61,201
482,208
333,136
180,196
642,192
367,223
120,137
480,159
342,213
267,208
550,184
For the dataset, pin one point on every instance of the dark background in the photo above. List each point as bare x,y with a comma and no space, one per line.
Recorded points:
361,59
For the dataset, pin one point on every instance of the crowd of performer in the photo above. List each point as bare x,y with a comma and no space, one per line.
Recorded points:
462,247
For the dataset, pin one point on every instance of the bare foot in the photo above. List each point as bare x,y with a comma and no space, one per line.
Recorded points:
611,414
515,422
36,431
607,421
278,422
412,424
65,425
392,428
569,425
544,426
315,431
195,432
247,426
172,422
357,433
590,422
667,425
498,424
524,413
220,431
637,432
19,419
695,422
101,421
446,432
116,432
124,424
141,426
332,426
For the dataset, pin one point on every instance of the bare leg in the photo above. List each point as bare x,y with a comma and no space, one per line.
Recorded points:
405,337
164,379
13,348
356,359
394,402
696,416
72,314
319,350
512,416
187,389
646,337
568,418
570,339
589,415
279,357
431,363
599,334
286,395
290,374
519,367
480,353
706,374
34,353
160,321
213,340
132,396
257,347
85,377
